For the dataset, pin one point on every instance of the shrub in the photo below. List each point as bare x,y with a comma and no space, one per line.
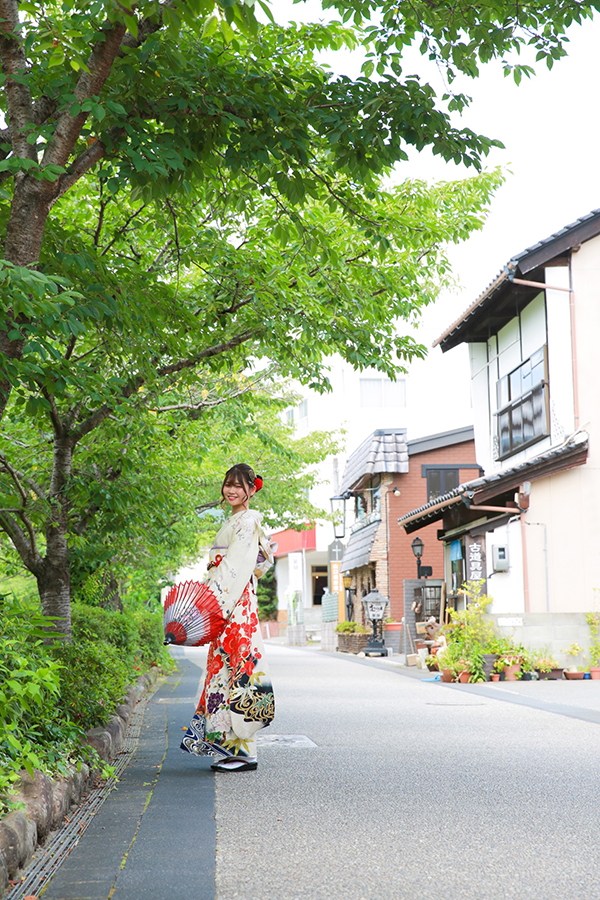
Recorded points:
352,628
266,596
93,623
151,636
92,682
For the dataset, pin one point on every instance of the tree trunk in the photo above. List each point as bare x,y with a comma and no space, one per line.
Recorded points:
28,214
54,586
111,597
29,210
54,582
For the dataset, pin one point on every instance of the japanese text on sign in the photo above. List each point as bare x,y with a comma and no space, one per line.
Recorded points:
476,560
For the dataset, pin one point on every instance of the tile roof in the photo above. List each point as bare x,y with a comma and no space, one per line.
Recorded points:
384,450
561,241
359,546
435,509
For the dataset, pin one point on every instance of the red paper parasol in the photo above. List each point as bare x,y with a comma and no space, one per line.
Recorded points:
192,615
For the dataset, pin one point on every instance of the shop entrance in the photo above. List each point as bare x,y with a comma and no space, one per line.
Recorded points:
319,583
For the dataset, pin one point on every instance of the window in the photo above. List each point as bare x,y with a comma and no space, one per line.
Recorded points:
522,402
381,392
303,409
289,416
441,481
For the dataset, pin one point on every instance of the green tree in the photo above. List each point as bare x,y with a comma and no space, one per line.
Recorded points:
163,96
171,303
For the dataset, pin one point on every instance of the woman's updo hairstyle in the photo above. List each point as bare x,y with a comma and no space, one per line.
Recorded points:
244,475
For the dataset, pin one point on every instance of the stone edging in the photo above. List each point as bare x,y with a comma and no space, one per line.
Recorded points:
46,802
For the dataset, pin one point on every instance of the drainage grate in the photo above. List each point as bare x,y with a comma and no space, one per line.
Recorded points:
49,858
284,740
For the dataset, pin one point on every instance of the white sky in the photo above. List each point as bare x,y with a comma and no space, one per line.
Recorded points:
550,128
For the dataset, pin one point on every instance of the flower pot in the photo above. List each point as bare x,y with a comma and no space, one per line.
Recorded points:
573,676
392,635
447,675
464,677
352,643
552,675
488,664
595,673
511,673
495,676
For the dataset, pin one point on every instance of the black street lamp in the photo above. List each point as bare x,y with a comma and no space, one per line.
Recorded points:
338,508
417,548
375,605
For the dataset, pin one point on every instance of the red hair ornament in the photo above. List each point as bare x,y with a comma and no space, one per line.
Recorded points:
258,482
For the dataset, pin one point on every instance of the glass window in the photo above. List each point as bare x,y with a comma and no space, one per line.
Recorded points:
440,482
289,416
378,392
522,397
303,409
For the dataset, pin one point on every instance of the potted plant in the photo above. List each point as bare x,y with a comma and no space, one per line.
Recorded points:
392,634
352,637
547,667
448,662
574,672
528,672
509,663
593,620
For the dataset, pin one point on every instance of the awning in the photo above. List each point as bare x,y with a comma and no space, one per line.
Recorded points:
358,549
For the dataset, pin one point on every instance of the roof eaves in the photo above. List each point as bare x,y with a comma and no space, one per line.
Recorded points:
565,239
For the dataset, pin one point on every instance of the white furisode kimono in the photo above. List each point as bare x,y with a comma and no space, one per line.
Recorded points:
237,699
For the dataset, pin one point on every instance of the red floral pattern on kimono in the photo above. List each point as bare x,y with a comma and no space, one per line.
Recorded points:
237,699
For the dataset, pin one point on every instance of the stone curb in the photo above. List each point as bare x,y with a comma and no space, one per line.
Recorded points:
47,802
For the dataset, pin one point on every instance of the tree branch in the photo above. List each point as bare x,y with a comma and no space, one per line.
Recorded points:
86,160
30,556
90,83
215,350
41,111
123,228
54,413
13,474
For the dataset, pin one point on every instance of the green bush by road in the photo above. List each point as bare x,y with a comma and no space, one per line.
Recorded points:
50,694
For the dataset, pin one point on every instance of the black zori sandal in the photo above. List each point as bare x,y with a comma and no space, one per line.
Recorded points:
234,764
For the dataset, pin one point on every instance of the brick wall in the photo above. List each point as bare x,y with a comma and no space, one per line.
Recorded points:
413,493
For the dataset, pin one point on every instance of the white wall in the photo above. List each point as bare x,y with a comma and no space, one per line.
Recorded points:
506,588
478,355
560,360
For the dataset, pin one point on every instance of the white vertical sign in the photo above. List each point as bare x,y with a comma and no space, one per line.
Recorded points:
295,571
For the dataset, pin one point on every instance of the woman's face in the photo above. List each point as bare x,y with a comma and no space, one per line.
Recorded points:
237,495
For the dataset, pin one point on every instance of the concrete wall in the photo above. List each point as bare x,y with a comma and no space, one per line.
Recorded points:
556,631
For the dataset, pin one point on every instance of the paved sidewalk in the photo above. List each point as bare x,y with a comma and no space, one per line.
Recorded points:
154,837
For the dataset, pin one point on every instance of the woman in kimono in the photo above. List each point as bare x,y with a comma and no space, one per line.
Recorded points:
237,700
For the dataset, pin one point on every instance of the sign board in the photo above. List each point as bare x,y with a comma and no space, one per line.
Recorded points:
295,609
336,584
329,606
336,551
295,579
475,559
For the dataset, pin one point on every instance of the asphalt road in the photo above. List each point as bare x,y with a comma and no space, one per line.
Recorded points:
371,784
415,790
